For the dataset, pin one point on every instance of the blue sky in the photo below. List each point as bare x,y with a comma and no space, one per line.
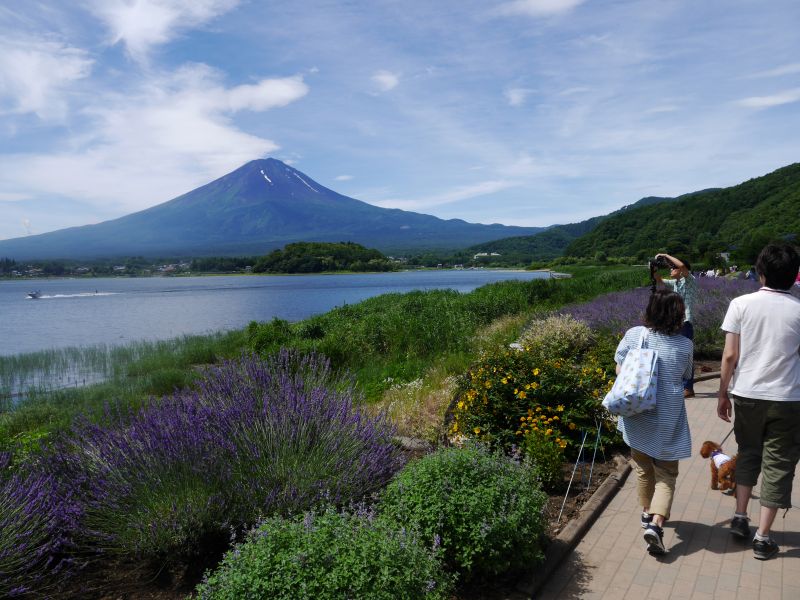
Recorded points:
523,112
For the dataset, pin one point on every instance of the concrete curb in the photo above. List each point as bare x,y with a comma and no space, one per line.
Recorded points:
707,376
576,529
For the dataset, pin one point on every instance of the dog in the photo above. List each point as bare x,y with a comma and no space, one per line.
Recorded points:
723,467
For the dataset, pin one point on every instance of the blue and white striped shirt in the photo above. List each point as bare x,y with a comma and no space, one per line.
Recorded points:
662,433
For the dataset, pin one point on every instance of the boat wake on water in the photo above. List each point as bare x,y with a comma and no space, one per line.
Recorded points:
78,295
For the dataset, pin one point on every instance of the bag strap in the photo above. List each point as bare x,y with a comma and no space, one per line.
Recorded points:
643,337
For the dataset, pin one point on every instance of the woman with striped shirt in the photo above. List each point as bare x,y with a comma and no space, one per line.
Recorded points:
660,437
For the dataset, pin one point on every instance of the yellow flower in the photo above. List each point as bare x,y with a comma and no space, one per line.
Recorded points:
536,371
522,418
572,426
518,432
560,408
548,432
522,395
504,380
477,430
488,384
534,385
460,405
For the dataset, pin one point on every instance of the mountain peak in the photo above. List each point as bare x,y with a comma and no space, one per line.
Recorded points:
264,204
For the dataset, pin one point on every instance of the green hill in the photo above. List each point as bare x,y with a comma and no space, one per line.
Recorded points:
740,219
317,257
552,242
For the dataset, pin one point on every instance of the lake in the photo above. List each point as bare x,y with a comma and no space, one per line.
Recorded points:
114,311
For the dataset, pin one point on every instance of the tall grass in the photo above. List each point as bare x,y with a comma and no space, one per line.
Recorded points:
395,337
124,375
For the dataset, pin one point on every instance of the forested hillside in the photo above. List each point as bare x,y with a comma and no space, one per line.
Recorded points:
740,219
552,242
316,257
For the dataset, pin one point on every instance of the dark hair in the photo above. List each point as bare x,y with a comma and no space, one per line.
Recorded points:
778,263
685,264
665,312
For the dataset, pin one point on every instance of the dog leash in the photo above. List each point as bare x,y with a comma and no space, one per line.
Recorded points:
726,437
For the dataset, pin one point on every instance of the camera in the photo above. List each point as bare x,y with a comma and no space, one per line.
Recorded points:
660,262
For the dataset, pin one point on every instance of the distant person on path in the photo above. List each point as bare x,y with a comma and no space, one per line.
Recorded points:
683,282
660,437
761,371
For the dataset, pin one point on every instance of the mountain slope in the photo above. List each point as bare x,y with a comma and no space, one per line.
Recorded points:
552,242
263,205
737,218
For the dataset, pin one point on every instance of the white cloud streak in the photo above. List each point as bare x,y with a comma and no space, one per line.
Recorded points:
517,96
456,194
537,8
386,80
759,102
172,134
35,75
143,24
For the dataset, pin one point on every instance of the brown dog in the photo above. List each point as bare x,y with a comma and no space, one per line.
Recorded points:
723,467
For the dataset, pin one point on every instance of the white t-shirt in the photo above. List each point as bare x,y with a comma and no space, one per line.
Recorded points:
768,324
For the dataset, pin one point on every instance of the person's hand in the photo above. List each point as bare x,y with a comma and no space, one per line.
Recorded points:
724,407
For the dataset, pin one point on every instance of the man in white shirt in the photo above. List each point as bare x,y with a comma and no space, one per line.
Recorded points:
761,371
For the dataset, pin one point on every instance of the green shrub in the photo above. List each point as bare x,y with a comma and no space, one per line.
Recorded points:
546,456
329,555
557,336
166,381
484,508
510,394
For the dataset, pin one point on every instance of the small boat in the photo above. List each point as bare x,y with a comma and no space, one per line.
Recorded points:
35,294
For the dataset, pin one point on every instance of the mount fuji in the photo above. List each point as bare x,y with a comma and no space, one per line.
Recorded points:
260,206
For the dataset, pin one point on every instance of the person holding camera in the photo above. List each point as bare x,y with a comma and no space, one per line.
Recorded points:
685,285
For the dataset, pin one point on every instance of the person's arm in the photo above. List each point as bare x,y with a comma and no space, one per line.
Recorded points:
678,263
730,356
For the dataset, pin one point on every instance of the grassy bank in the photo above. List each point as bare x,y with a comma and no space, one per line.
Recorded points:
388,342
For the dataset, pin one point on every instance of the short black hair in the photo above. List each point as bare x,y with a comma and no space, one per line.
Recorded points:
665,312
778,264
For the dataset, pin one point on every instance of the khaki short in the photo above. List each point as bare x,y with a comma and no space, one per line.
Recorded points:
768,435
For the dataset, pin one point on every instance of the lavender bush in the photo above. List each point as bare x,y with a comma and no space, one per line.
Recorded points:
617,312
255,438
36,516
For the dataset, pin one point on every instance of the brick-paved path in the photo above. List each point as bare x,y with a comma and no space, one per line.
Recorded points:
704,561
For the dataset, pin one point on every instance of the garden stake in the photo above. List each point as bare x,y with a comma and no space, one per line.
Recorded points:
594,455
572,477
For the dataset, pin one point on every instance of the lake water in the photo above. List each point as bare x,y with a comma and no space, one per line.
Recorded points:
85,312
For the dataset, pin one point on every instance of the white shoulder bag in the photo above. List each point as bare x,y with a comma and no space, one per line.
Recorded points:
634,390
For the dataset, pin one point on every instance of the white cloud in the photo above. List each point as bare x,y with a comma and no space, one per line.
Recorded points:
662,108
791,69
386,80
35,74
343,178
757,102
450,196
537,8
268,93
12,197
142,24
517,96
149,145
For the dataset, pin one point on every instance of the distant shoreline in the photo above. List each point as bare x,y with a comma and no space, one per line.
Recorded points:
249,274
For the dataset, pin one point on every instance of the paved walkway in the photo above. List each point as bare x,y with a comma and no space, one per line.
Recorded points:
704,561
